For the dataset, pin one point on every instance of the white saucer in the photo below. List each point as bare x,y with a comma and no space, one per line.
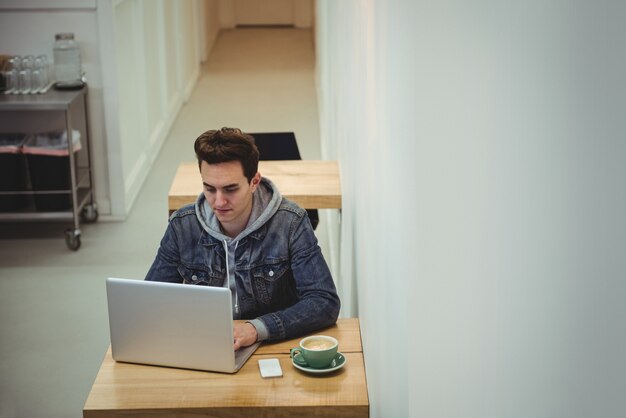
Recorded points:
338,362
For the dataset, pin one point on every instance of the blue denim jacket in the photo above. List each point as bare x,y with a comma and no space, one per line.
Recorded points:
280,275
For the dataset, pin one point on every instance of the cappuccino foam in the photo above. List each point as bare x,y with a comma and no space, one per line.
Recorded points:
318,344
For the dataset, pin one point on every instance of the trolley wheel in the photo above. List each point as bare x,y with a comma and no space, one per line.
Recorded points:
72,239
90,213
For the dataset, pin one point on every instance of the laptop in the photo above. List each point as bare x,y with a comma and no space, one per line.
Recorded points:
174,325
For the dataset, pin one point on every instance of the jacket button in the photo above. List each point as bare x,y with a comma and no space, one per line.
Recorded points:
194,277
271,273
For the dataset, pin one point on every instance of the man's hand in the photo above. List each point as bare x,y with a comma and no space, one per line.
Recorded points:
244,333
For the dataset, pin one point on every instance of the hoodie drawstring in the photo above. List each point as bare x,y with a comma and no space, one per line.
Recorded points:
228,274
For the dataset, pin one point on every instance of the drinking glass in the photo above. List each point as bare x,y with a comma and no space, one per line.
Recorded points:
15,62
41,62
36,81
24,80
11,77
28,62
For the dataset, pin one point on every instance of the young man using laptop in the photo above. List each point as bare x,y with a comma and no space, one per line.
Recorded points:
242,234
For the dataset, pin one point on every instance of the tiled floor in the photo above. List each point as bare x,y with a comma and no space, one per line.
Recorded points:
53,318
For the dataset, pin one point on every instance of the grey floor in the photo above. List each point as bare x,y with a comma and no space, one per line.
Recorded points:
53,313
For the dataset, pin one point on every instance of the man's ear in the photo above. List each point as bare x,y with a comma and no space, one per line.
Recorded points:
256,180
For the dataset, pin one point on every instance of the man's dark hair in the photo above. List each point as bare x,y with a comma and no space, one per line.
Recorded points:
228,144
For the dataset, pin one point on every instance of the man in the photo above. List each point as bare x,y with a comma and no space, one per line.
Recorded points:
243,234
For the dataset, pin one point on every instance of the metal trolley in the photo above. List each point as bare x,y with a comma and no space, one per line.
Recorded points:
54,111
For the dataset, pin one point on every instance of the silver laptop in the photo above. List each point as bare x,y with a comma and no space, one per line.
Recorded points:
175,325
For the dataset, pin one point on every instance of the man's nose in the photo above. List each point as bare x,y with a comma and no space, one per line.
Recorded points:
220,198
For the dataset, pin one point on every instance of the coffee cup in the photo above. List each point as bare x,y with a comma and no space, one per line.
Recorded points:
316,351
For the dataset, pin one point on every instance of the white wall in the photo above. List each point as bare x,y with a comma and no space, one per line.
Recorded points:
151,54
482,159
377,234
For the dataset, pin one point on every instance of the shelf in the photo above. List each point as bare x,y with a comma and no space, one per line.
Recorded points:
82,182
52,100
30,213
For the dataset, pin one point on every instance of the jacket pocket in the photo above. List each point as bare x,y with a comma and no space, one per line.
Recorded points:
199,276
272,282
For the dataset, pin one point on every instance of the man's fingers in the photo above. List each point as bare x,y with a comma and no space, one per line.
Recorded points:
244,334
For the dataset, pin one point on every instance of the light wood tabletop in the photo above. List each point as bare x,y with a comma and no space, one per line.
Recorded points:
312,184
122,389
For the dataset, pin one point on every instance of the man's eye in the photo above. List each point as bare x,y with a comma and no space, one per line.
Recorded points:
231,190
209,189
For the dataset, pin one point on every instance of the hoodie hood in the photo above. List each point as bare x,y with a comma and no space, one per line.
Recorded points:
265,202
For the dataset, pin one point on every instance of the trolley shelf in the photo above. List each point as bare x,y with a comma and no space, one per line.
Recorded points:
29,213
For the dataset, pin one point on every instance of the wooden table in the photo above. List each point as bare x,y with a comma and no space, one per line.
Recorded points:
123,390
312,184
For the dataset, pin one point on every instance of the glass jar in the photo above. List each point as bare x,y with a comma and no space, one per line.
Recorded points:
67,67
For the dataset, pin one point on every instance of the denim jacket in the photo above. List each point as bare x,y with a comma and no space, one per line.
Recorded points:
279,278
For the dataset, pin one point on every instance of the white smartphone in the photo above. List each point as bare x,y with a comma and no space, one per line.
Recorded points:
270,368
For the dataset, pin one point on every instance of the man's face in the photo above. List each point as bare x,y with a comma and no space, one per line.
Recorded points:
228,193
